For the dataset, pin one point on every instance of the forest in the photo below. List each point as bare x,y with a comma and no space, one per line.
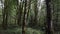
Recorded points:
29,17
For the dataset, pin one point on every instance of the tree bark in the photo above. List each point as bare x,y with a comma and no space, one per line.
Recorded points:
24,18
48,20
36,12
19,13
5,15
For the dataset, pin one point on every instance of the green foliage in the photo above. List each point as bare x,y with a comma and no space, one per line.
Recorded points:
19,31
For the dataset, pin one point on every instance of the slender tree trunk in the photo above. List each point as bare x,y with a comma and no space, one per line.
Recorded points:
29,5
5,15
49,23
24,18
36,12
20,10
48,20
28,11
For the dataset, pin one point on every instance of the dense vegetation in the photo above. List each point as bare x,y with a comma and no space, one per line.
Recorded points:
30,17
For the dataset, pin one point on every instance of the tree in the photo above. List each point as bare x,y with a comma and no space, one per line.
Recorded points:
24,17
5,15
19,12
48,17
36,12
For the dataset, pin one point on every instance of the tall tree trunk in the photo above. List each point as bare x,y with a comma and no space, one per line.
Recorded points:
20,10
28,11
5,15
48,20
29,6
36,12
24,18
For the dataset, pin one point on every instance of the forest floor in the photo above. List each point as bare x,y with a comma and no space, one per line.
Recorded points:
18,30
